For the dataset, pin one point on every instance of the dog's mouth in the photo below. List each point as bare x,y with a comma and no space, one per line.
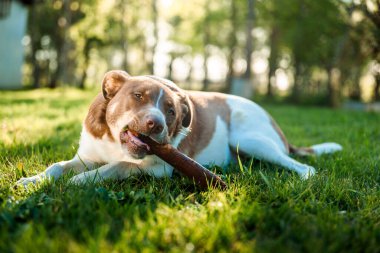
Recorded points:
130,140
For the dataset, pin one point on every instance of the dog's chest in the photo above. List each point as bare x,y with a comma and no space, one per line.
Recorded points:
100,150
217,150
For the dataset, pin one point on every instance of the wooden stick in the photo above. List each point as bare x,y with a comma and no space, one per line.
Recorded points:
184,164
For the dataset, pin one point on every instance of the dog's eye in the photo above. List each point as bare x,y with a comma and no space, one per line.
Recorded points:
171,112
138,95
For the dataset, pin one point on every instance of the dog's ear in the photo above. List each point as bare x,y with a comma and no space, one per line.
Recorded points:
112,82
186,111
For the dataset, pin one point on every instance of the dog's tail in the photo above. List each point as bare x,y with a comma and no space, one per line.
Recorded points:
318,149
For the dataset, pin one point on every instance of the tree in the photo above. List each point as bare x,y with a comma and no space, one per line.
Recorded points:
312,41
232,46
372,15
155,34
64,23
249,42
50,45
271,17
206,43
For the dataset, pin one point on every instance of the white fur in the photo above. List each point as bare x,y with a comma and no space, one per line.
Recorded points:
118,164
158,113
250,128
252,131
217,151
104,151
326,148
180,136
100,150
56,170
121,122
159,98
121,170
247,117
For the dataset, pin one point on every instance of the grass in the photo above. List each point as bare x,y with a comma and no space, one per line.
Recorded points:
265,209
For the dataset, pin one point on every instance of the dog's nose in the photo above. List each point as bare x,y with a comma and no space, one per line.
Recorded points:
154,125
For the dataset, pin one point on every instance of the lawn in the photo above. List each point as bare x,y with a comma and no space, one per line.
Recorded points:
265,208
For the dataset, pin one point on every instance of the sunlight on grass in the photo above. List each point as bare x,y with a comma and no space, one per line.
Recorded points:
265,208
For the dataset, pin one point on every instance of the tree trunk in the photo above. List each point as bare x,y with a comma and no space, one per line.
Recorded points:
297,81
355,92
35,45
232,47
189,77
36,72
86,55
170,67
272,59
82,81
206,82
374,17
249,40
206,41
376,90
66,45
55,75
63,48
333,77
333,87
124,36
155,34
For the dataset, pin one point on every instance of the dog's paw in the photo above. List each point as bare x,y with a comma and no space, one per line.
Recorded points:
86,177
24,181
308,173
79,179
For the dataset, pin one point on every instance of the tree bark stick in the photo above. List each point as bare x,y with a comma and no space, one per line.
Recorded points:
185,164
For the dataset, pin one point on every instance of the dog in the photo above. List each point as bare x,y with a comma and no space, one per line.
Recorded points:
206,126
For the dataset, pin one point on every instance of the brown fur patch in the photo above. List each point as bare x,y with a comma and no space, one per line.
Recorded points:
100,119
184,114
112,82
127,102
301,151
95,122
205,108
199,109
280,133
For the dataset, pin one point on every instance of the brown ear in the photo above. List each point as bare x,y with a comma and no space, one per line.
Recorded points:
112,82
186,110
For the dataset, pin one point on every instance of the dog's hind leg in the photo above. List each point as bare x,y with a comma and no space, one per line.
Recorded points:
56,170
264,148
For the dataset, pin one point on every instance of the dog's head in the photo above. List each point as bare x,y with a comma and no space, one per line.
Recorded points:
144,105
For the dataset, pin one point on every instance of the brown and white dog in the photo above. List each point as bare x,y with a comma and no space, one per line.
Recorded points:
205,126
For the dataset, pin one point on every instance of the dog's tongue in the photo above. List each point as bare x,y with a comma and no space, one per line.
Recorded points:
137,141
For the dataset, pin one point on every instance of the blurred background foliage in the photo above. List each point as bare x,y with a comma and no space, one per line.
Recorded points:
325,51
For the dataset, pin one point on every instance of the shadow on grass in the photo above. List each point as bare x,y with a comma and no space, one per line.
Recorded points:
105,210
84,213
81,213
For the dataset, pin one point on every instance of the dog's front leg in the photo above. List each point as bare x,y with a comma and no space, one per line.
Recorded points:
56,170
120,170
114,170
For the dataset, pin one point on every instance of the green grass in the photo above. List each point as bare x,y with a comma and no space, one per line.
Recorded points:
265,209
